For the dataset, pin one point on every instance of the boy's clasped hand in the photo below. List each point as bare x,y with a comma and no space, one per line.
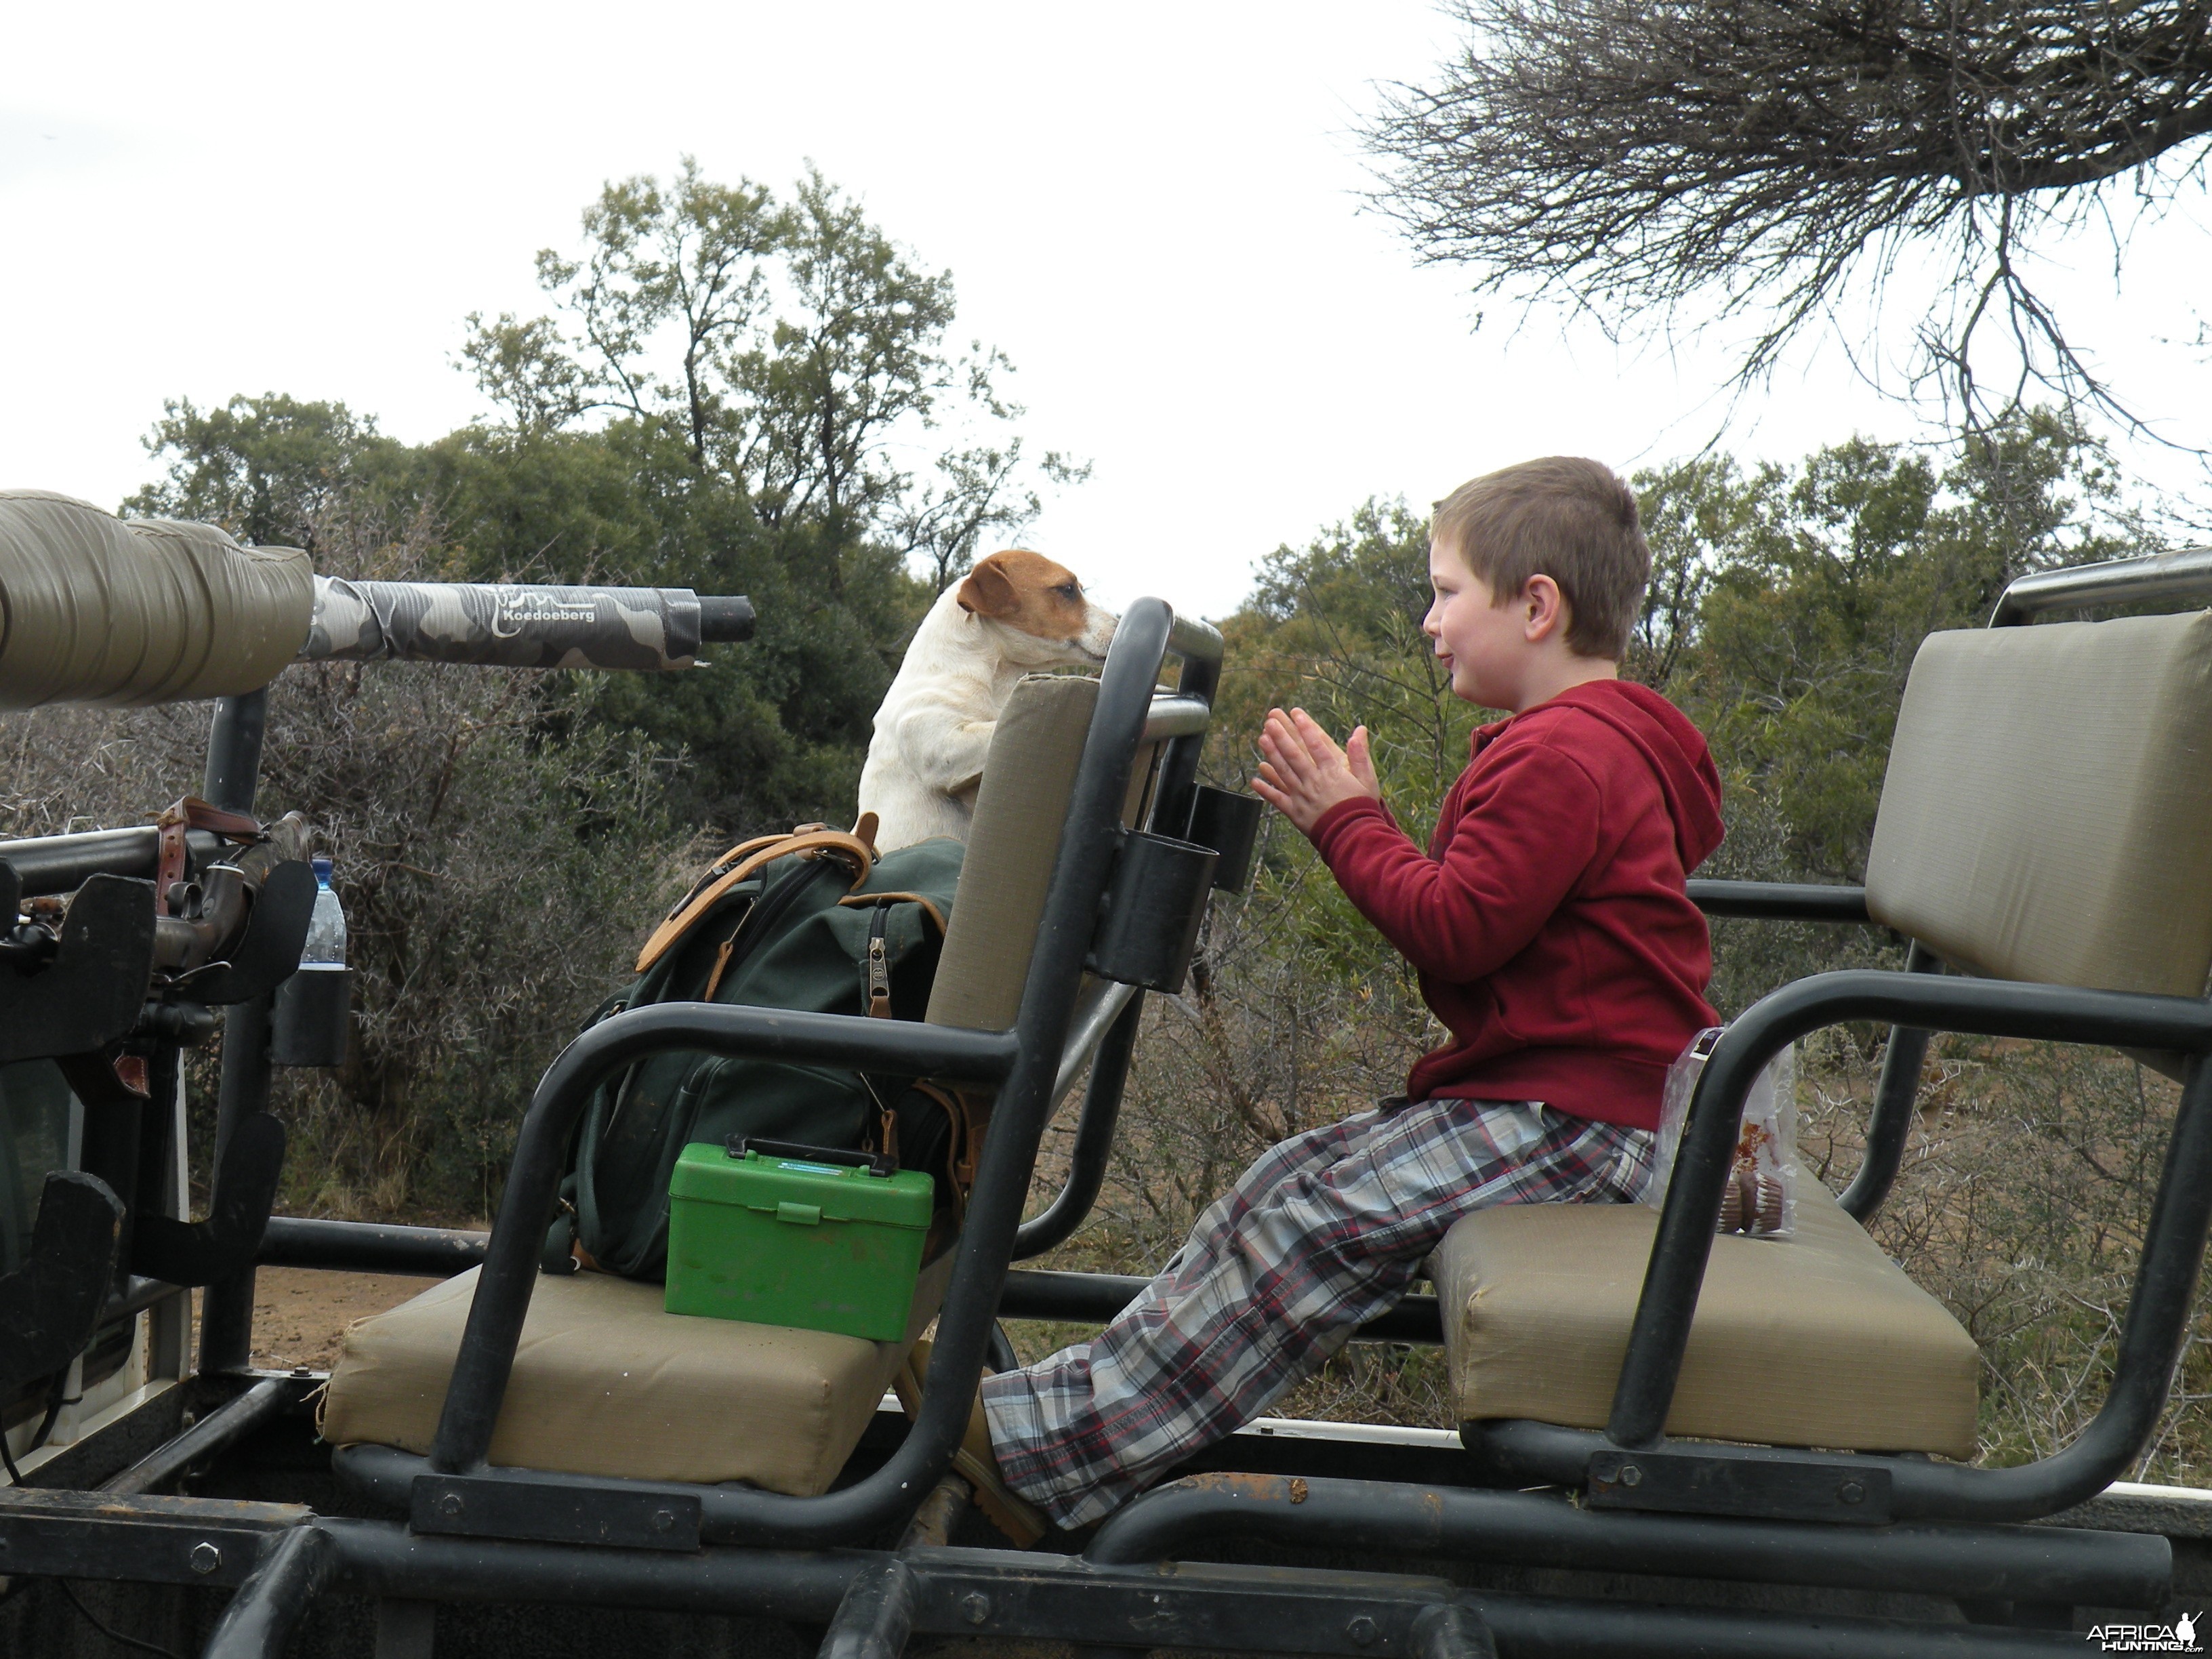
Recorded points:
1305,773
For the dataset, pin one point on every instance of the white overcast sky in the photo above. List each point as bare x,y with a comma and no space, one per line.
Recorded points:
1153,209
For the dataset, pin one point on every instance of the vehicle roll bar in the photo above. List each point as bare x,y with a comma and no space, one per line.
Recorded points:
2182,575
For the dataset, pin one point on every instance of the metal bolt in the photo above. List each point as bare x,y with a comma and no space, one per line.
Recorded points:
449,1505
1361,1630
205,1557
663,1519
1630,1474
976,1606
1605,1470
1850,1492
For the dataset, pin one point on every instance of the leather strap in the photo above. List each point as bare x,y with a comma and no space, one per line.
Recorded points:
861,901
968,1113
191,812
740,862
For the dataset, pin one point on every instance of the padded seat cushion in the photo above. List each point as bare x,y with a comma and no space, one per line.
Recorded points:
1020,807
2047,813
607,1383
1815,1340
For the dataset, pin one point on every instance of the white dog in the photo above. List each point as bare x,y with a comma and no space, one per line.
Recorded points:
1016,612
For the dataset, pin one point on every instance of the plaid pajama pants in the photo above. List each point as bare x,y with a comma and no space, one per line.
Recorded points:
1324,1232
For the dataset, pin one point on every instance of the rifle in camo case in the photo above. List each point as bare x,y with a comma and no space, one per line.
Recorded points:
517,625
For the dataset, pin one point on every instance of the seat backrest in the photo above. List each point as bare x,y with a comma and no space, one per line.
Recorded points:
1021,805
2047,813
104,609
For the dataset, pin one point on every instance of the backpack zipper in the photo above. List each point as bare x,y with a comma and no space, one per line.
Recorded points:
762,914
876,971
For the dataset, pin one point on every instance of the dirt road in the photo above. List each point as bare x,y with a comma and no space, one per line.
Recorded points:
299,1313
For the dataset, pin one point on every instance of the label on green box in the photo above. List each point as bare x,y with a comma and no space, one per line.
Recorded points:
781,1241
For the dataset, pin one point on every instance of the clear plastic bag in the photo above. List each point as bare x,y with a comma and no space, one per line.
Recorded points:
1760,1199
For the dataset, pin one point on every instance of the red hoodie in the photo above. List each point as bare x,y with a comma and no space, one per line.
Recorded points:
1548,919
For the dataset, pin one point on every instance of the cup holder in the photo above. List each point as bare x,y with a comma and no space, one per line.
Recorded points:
1148,928
1230,825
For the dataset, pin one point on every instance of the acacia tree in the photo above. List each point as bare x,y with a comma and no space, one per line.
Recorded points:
792,345
273,470
1779,159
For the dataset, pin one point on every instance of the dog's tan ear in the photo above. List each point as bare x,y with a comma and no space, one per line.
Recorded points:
988,591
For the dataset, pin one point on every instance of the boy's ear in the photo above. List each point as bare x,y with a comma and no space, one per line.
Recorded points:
1549,613
987,592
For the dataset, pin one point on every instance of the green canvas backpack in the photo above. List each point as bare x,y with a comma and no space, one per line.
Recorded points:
812,921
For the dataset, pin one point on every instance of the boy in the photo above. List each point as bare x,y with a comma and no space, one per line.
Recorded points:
1553,939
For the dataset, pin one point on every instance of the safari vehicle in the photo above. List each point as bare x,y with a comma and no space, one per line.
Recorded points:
1673,1443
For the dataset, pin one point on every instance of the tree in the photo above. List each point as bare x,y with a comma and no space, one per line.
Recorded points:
1814,586
791,345
686,265
269,470
1780,158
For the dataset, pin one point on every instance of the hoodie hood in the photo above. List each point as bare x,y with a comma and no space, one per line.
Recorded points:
1675,750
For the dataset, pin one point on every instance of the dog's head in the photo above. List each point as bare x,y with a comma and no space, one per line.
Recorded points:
1037,610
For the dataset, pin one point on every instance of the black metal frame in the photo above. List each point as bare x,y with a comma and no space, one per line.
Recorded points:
488,1533
2157,1312
1025,1063
278,1556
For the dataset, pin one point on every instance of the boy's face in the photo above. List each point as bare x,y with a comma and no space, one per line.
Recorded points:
1483,645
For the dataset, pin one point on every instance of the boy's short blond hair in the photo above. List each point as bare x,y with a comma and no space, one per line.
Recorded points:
1563,517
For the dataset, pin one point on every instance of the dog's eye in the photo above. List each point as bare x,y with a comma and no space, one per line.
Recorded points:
1068,589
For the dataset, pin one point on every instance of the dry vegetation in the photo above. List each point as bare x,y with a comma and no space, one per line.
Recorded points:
496,859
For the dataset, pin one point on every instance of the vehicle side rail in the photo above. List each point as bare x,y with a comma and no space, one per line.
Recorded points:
1200,1512
2174,1249
1029,1293
1780,901
1096,1299
278,1555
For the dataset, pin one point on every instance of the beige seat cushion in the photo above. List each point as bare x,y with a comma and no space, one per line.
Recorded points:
1815,1340
2047,813
606,1381
1013,843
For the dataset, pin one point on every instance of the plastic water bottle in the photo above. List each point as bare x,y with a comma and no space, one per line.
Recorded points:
309,1022
326,929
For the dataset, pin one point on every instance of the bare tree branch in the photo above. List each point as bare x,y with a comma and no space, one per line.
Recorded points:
1780,158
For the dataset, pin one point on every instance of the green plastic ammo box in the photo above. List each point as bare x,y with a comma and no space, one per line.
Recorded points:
802,1235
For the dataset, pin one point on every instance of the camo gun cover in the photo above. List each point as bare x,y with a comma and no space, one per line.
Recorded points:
521,626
